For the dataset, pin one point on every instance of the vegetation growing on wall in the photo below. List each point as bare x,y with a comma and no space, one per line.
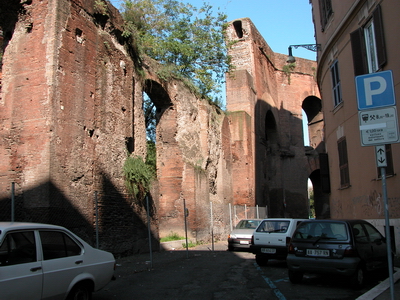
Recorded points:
288,69
138,177
188,41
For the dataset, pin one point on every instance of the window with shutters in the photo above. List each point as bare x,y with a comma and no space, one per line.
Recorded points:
325,7
368,45
336,89
343,163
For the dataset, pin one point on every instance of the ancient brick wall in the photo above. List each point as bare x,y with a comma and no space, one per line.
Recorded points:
67,112
271,93
71,111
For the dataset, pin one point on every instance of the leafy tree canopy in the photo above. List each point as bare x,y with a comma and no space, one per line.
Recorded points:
188,41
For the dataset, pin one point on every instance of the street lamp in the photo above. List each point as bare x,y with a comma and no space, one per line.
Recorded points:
311,47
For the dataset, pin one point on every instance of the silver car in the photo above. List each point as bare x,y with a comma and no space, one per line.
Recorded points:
240,237
41,261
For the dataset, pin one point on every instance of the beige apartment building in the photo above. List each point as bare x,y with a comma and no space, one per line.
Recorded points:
360,38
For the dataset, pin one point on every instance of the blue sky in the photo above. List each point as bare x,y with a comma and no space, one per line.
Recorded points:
280,22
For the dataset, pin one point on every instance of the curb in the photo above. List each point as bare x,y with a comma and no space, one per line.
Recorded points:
380,288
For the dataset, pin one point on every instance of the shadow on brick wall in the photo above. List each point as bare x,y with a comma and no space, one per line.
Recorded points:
122,226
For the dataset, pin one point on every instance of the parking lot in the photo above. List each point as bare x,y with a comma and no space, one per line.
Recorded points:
202,273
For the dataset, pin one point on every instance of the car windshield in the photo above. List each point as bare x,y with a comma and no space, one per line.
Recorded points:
321,230
247,224
274,226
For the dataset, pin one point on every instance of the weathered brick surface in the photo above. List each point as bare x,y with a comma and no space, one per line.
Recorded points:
271,95
71,108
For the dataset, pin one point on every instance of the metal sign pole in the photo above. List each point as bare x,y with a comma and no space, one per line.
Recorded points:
12,201
387,232
97,219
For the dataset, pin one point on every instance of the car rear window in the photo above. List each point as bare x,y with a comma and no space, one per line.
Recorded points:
247,224
272,226
321,230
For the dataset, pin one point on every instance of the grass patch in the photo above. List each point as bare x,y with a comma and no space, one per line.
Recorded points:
171,237
191,244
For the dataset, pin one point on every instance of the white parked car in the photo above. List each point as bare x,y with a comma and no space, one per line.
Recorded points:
271,239
240,237
41,261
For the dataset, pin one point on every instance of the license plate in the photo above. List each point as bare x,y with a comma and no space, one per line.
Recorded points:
318,252
244,242
268,250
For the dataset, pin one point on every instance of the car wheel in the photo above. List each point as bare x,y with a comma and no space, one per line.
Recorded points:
80,292
358,278
295,277
261,260
231,248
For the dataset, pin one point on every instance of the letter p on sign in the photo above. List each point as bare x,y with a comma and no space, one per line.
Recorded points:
375,90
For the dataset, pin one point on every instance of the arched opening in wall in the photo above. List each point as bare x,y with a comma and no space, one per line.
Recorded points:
10,10
271,134
319,204
313,194
150,111
311,199
155,102
313,128
274,201
238,28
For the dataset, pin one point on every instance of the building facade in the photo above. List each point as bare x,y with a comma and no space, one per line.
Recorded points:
359,38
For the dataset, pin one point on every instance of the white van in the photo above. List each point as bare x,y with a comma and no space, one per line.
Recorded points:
271,239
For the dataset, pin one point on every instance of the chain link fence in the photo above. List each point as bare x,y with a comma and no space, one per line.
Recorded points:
224,217
110,222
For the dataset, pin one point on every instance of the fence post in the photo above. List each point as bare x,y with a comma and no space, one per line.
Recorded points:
212,225
230,217
258,215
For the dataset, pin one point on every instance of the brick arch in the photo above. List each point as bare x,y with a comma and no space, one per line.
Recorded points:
312,106
317,158
157,94
170,165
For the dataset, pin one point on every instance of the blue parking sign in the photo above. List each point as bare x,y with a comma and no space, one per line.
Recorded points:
375,90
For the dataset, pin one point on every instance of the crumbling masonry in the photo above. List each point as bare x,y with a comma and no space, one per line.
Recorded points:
71,111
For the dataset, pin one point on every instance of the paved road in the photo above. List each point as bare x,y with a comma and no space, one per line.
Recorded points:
198,274
204,274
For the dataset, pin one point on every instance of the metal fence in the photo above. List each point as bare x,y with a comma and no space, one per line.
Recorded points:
224,217
121,222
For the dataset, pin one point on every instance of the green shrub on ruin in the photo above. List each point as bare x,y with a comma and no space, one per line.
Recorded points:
138,177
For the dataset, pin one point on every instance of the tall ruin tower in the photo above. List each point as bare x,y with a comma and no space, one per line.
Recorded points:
264,97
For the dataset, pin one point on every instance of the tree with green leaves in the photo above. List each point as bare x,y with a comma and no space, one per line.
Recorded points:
188,41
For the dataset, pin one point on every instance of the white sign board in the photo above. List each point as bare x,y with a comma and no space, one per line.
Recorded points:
378,126
380,152
375,90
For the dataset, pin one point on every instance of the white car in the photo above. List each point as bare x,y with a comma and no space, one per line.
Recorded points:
240,237
271,239
41,261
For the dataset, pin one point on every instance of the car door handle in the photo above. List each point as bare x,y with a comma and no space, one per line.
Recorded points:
78,262
36,269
